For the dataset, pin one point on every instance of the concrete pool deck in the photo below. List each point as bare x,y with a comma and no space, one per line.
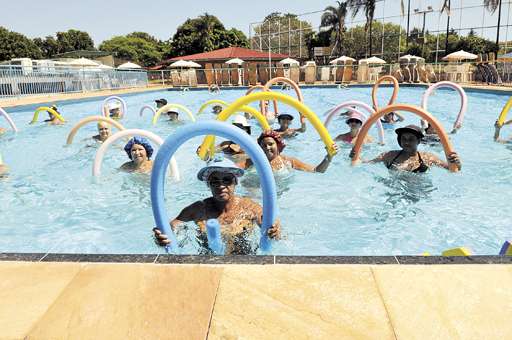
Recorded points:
86,300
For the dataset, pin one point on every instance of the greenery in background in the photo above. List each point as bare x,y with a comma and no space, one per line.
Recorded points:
278,25
203,34
334,19
16,45
72,40
138,47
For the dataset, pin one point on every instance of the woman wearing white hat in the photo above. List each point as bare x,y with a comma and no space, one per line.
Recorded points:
354,121
236,215
114,110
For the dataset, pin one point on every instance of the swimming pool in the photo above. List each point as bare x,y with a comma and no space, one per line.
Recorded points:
51,203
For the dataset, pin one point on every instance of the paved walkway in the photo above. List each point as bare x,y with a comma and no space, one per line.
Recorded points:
154,301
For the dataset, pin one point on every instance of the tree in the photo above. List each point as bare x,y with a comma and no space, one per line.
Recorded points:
205,33
16,45
368,6
288,34
74,40
133,48
49,46
334,18
492,5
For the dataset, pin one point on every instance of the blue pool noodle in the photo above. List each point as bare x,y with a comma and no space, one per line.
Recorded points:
225,130
214,238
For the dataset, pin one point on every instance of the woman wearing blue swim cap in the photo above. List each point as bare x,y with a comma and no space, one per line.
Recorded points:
237,215
139,151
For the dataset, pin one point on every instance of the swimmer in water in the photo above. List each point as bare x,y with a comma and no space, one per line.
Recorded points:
272,144
392,118
53,120
139,151
114,110
229,147
497,130
409,158
172,115
216,109
236,215
354,121
284,120
104,131
431,136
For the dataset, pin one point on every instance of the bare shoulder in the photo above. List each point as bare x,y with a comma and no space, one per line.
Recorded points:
126,166
429,157
250,205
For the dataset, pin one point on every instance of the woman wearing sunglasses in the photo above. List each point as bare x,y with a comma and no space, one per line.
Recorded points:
236,215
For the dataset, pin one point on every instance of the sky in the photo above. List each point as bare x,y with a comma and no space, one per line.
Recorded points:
104,19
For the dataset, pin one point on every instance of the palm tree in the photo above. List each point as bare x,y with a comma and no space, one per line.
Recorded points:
369,11
334,18
491,6
446,7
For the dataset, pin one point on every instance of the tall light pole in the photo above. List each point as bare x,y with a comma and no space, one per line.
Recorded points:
447,28
417,11
498,30
408,19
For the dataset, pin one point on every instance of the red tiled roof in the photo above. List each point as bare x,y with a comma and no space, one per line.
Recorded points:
225,54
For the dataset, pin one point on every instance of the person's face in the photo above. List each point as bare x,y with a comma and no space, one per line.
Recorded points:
284,123
269,146
409,142
103,131
159,105
430,130
115,112
138,153
222,186
217,109
173,117
354,124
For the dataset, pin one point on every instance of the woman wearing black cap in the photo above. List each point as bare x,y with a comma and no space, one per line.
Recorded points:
284,120
409,158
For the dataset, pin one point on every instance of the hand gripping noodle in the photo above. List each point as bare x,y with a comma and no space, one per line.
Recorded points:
463,104
262,106
376,87
9,119
87,120
147,107
172,106
48,109
174,141
96,168
349,105
445,141
504,112
119,99
303,109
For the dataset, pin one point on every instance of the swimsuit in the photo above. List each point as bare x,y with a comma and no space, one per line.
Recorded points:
420,169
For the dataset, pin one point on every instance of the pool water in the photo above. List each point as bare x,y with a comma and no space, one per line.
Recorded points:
51,203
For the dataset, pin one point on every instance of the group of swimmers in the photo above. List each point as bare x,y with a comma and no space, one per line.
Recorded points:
238,215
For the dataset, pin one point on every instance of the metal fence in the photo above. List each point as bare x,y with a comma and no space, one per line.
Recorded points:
496,73
17,81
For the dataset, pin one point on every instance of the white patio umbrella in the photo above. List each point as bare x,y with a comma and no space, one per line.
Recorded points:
128,66
237,61
411,57
373,60
179,63
460,55
343,58
83,62
289,61
192,64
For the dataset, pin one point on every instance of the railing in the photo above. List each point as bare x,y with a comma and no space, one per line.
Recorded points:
497,73
17,81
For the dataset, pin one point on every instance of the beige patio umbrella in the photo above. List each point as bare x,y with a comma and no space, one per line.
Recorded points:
179,64
373,60
84,62
289,61
237,61
192,64
128,66
343,58
460,55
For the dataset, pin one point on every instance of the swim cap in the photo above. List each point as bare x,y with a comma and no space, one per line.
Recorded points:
220,165
276,136
140,141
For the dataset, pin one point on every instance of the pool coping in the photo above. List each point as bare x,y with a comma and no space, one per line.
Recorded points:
254,259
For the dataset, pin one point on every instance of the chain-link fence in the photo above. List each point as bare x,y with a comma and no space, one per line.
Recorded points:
16,80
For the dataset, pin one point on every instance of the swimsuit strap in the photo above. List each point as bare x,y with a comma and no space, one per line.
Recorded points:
422,167
394,159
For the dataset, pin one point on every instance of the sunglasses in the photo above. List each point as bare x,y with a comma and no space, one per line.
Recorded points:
225,181
355,121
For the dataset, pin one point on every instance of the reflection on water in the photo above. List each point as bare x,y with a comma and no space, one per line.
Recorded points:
405,189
